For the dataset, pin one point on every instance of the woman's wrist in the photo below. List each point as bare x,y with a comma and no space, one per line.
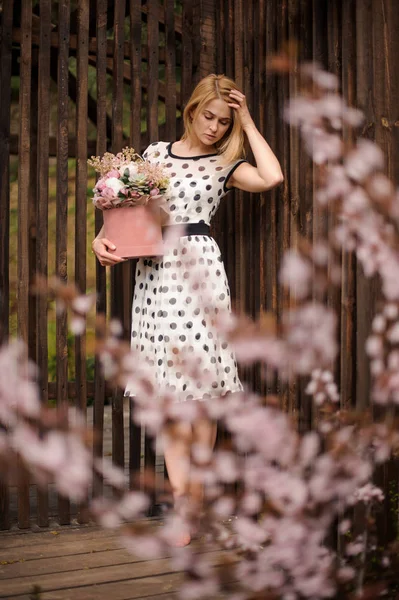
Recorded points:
249,127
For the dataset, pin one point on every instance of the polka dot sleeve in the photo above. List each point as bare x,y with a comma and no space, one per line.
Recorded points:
150,150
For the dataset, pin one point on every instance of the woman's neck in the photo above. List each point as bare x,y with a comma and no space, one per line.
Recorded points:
193,146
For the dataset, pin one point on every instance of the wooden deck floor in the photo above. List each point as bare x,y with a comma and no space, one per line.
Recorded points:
83,563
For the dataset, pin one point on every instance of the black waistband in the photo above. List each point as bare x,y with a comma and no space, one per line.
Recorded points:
190,229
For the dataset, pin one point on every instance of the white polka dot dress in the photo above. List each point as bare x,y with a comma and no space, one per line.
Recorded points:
177,296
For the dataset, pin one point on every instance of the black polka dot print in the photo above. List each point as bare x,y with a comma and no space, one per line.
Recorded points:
177,296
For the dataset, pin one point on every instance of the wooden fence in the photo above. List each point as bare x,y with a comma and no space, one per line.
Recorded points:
158,51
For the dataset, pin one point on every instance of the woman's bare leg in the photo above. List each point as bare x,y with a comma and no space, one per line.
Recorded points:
177,445
204,434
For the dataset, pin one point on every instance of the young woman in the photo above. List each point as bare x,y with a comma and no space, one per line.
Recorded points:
170,317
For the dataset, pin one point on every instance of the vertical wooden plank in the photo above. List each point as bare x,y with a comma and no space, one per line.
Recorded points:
34,110
283,210
335,57
187,51
385,99
170,71
62,216
259,100
229,41
269,215
117,272
238,196
256,83
5,100
208,55
42,219
81,202
348,288
101,303
24,150
218,228
322,50
365,288
152,70
196,43
135,136
152,128
247,204
135,74
295,199
220,39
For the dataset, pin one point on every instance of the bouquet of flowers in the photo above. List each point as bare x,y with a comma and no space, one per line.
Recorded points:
136,188
127,180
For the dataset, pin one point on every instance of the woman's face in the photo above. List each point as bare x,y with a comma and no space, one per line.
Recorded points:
212,122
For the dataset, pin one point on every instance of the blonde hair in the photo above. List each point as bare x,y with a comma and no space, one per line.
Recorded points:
212,87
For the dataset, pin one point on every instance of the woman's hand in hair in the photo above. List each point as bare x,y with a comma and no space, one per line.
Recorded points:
239,104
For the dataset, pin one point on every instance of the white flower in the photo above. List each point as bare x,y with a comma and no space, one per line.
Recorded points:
115,185
131,167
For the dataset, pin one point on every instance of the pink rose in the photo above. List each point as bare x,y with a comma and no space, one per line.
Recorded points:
101,184
113,173
154,192
108,193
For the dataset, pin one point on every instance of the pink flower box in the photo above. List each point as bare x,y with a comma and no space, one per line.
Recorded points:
135,230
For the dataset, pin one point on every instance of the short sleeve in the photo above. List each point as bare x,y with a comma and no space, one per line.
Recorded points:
230,173
152,151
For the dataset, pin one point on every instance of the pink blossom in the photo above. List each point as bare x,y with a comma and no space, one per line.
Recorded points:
296,274
379,324
224,507
393,334
250,533
344,526
368,493
363,160
225,464
133,505
310,446
77,325
113,173
354,548
300,110
353,116
374,346
356,201
101,184
112,474
391,311
146,547
322,146
251,503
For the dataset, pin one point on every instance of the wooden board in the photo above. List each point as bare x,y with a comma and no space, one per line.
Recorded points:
87,563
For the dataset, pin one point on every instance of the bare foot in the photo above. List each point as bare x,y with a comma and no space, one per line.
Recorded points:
181,540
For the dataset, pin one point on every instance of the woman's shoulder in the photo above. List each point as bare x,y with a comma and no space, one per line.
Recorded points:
154,149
